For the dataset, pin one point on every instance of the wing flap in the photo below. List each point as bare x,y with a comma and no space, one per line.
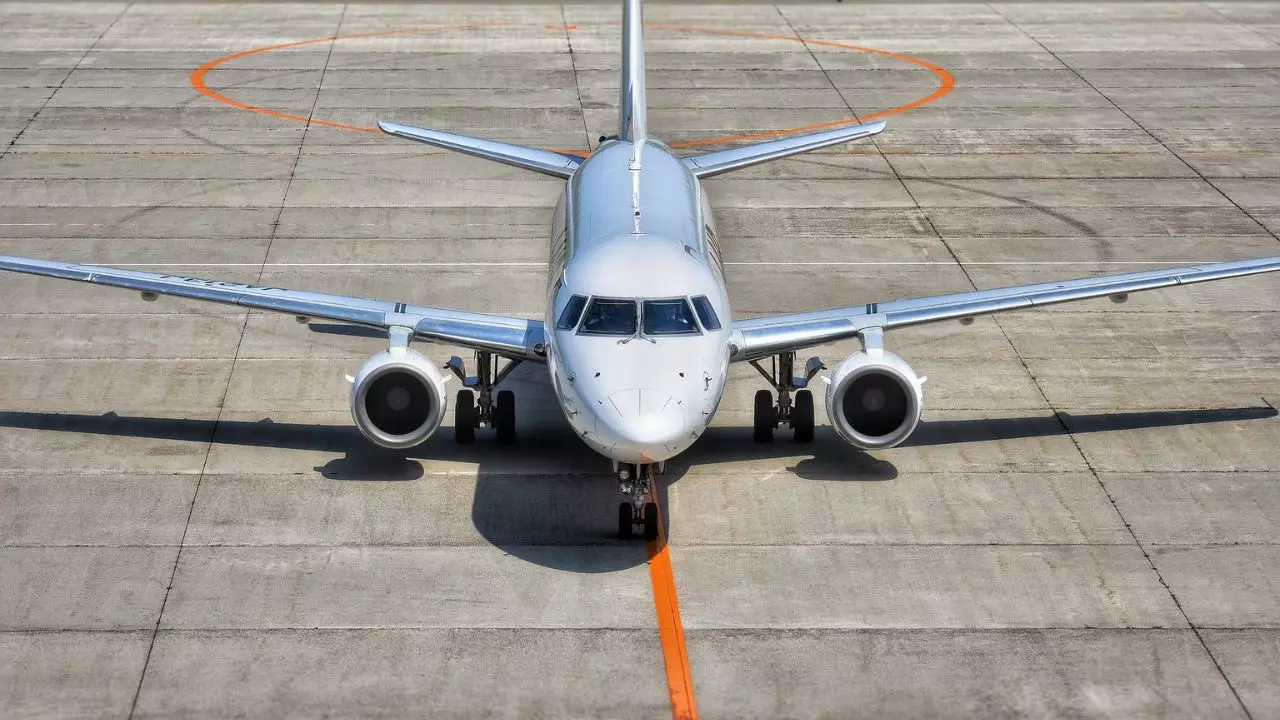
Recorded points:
546,162
759,337
507,336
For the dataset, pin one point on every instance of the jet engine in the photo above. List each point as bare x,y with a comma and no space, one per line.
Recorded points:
874,399
398,398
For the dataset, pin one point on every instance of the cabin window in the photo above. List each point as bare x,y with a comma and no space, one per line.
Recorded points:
706,313
668,317
572,313
610,317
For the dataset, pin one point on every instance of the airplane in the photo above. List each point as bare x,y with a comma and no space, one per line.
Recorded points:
637,334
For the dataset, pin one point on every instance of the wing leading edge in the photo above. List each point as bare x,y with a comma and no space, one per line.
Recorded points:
506,336
760,337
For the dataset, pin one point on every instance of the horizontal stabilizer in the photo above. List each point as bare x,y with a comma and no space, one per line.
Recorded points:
546,162
714,163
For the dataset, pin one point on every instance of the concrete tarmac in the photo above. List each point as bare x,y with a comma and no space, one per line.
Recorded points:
1085,525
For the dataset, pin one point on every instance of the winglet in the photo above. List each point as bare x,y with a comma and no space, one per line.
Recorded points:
723,161
546,162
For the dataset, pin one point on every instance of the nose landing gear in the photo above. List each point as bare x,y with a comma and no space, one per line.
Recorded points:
635,481
495,410
797,412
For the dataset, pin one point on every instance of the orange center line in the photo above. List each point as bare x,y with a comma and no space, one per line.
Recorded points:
675,655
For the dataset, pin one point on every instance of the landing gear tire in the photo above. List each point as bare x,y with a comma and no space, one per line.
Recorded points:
504,417
464,417
626,521
802,416
764,417
651,521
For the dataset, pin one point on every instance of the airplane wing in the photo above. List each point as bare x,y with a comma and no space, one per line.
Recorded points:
759,337
507,336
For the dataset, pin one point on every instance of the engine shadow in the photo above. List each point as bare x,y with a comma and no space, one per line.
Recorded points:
551,501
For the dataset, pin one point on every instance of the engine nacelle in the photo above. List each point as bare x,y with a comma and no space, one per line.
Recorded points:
875,400
398,398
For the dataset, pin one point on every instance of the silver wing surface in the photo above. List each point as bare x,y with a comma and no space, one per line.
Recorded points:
507,336
723,161
760,337
547,162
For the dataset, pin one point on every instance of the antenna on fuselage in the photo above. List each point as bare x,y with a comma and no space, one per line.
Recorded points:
632,126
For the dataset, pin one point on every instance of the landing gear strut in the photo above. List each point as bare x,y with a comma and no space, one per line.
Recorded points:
495,410
796,412
635,481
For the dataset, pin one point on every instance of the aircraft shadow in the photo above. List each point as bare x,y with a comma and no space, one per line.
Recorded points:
548,496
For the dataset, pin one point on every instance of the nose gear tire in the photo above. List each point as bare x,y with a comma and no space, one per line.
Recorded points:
651,521
626,520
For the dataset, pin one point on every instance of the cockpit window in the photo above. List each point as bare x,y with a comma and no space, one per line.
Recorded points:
610,317
706,313
572,313
669,317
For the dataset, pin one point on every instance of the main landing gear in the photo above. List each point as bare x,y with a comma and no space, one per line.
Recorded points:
635,481
796,412
495,410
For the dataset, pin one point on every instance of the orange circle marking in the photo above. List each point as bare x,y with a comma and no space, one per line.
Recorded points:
945,81
197,76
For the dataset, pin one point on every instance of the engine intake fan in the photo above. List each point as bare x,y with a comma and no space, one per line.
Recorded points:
875,400
398,398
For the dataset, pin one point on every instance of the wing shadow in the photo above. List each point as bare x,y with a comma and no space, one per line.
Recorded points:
547,497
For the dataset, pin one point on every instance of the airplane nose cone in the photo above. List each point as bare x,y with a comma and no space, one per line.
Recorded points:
649,421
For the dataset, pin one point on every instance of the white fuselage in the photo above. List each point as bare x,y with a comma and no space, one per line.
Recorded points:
642,388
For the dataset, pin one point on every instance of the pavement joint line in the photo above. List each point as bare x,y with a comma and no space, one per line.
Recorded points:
1150,134
302,142
14,142
577,81
923,214
1060,416
173,573
1233,21
146,664
1145,553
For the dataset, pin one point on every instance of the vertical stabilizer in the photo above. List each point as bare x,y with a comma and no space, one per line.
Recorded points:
631,108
